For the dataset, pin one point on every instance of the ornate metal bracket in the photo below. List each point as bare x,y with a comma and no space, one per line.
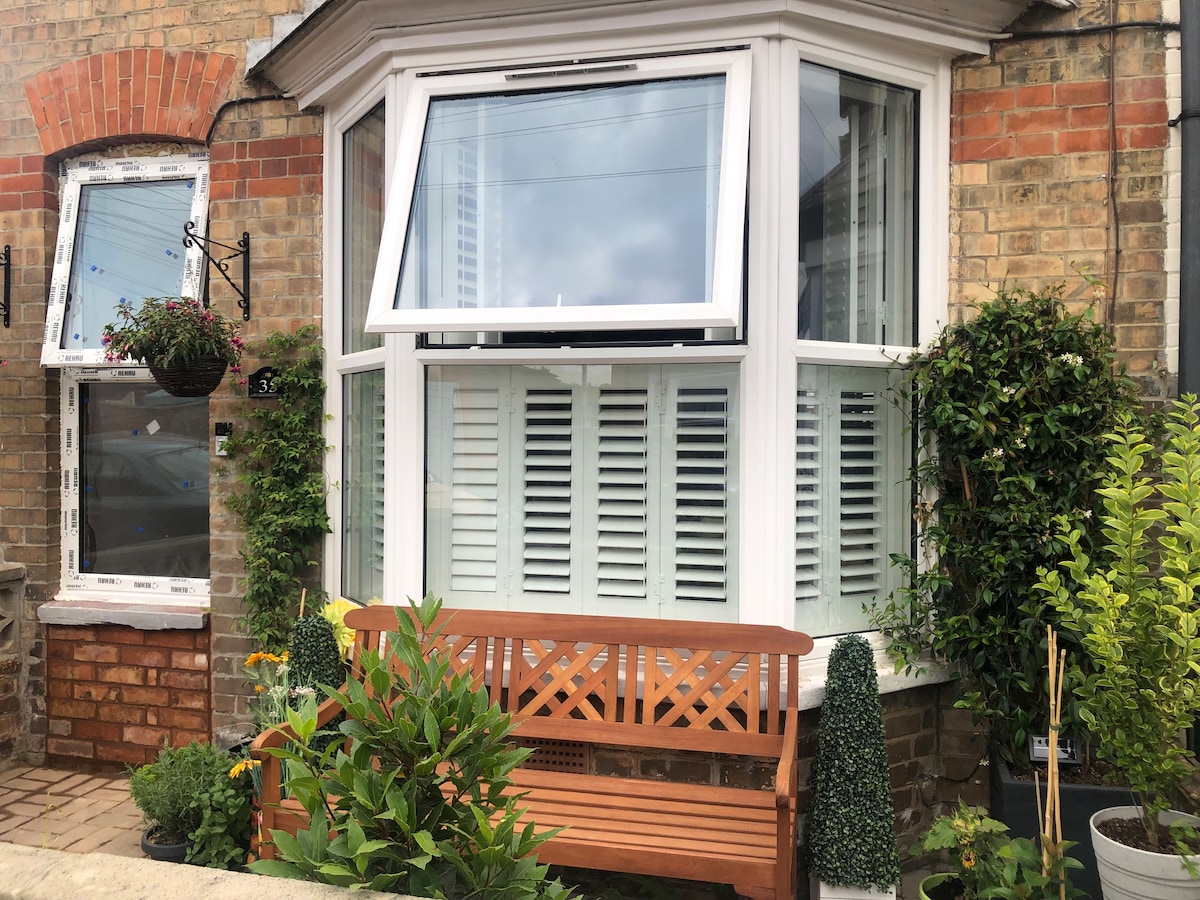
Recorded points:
6,264
190,239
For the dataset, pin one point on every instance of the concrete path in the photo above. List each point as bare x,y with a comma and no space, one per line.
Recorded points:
30,874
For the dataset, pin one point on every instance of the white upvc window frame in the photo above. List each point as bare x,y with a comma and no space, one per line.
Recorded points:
75,175
724,309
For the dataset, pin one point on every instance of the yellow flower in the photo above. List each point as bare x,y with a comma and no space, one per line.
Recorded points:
242,765
257,657
968,859
334,613
259,688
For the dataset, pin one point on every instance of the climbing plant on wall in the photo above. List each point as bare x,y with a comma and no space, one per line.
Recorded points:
278,454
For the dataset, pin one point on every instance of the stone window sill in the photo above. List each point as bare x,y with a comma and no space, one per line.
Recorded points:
143,616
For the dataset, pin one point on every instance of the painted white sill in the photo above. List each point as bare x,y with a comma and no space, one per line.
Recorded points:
143,616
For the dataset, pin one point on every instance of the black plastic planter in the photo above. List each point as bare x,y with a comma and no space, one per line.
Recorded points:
1014,803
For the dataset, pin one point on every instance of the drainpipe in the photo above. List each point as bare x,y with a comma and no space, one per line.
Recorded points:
1189,128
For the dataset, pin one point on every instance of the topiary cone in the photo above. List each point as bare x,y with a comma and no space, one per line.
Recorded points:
850,834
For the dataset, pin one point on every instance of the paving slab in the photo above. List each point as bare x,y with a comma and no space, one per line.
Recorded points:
31,874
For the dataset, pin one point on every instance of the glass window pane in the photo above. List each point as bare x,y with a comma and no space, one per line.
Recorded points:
144,472
128,246
362,486
852,502
610,490
857,177
363,148
596,196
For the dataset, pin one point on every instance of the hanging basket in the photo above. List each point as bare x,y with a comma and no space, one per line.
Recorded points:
198,379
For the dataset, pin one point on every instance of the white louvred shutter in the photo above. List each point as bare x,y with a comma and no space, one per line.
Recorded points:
622,487
808,495
474,490
850,495
378,456
702,418
548,480
605,489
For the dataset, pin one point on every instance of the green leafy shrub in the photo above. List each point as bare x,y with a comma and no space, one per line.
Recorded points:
279,456
412,798
314,659
850,833
1132,604
192,795
1011,410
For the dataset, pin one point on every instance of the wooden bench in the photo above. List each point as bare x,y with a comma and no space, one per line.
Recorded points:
570,684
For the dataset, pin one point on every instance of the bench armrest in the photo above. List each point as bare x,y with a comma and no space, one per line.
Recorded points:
786,775
275,737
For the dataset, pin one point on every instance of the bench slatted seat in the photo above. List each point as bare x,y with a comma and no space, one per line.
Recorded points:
648,684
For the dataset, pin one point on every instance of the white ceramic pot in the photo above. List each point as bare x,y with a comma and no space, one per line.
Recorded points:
1130,874
822,891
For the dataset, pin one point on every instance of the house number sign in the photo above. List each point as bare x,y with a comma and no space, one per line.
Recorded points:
262,383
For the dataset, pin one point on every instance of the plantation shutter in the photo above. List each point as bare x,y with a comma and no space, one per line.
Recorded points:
619,493
850,496
702,418
474,491
622,493
378,461
549,482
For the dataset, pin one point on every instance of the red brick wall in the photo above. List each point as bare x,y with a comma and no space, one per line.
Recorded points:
117,693
1059,154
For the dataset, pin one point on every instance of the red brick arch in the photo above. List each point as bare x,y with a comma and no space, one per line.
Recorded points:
132,94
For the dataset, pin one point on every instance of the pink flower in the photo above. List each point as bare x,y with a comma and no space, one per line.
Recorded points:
171,304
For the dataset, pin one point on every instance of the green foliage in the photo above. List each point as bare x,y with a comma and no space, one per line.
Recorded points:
190,793
411,795
279,456
992,866
171,331
850,832
1011,411
1132,604
314,657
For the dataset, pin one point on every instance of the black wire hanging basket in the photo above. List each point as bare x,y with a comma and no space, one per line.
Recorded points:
196,379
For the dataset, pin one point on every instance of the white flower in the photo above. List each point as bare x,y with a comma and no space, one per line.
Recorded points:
305,691
1073,359
994,453
1008,391
1019,443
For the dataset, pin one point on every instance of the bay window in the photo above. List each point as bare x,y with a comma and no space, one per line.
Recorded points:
607,389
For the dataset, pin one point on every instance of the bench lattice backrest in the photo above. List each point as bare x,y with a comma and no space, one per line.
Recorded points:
686,685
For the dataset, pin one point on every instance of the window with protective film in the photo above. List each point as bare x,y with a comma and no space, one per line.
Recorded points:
581,197
120,240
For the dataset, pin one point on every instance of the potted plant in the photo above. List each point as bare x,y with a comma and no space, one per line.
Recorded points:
196,802
850,833
1132,602
186,345
988,864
